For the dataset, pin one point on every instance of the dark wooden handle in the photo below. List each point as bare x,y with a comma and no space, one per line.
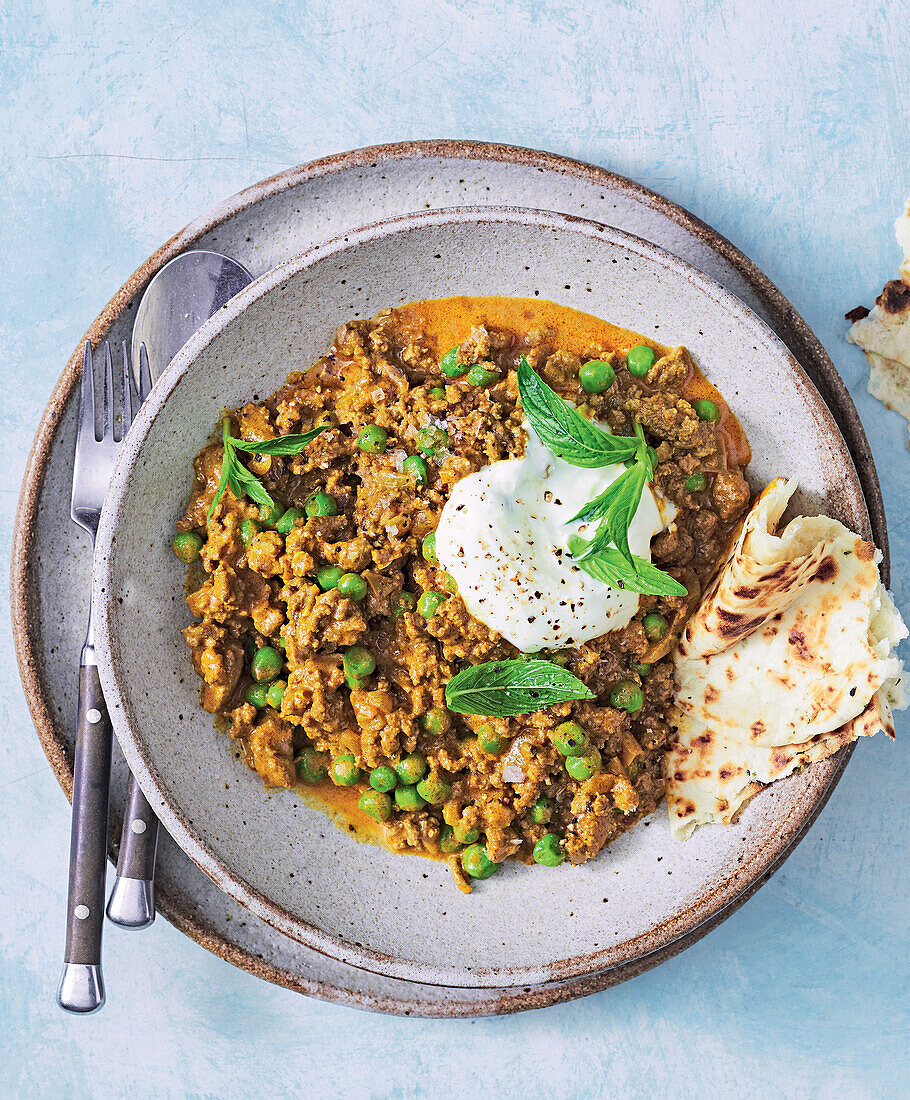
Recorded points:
88,838
139,841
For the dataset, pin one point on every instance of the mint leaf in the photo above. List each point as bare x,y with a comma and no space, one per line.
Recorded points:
611,567
619,518
241,481
282,445
601,505
617,511
502,689
562,428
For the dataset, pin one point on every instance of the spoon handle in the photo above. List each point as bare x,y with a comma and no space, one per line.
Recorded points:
132,901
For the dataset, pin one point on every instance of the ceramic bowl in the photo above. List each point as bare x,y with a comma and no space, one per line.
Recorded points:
393,914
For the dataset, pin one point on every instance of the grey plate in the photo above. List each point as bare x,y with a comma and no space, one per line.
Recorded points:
266,224
276,855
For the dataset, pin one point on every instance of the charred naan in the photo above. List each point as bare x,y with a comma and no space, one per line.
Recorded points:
789,657
884,333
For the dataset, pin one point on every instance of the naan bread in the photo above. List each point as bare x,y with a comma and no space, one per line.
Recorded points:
788,658
884,334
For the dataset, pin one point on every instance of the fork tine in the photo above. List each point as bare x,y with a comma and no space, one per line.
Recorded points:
127,405
107,416
145,373
87,390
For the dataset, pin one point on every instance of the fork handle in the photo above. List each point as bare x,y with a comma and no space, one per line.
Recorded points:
132,900
81,988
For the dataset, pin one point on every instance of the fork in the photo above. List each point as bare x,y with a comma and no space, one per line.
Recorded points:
81,986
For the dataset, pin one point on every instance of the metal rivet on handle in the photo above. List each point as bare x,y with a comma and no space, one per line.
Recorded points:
138,826
81,911
94,716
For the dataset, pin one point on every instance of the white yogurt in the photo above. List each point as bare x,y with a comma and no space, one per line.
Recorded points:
504,537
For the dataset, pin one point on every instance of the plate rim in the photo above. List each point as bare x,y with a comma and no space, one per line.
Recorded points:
191,838
788,323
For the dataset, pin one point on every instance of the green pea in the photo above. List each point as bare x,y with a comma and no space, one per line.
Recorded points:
358,661
416,468
187,547
431,440
282,644
584,767
352,585
450,366
266,664
377,804
411,768
249,529
477,863
640,360
434,790
448,582
430,602
405,601
328,577
312,765
275,694
548,850
321,504
695,483
479,375
570,739
464,835
438,392
287,522
428,548
490,739
372,439
656,626
383,779
257,695
642,668
542,810
435,721
270,514
343,770
356,683
408,798
596,376
705,410
448,842
627,696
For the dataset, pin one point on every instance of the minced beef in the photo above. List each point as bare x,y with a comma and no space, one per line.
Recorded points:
265,591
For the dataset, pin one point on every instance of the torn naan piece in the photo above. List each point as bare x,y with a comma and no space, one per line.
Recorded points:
884,333
789,657
713,776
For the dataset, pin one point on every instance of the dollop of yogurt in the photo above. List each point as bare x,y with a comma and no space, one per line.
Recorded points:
503,536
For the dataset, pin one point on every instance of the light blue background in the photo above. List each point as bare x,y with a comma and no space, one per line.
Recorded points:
785,125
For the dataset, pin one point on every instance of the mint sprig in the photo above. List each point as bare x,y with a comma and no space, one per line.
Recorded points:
562,428
236,477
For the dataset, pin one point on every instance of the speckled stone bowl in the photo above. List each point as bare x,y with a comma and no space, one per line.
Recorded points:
402,915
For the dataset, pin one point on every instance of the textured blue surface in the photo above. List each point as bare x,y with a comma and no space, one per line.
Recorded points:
785,125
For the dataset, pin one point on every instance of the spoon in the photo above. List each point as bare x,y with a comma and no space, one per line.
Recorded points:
179,299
